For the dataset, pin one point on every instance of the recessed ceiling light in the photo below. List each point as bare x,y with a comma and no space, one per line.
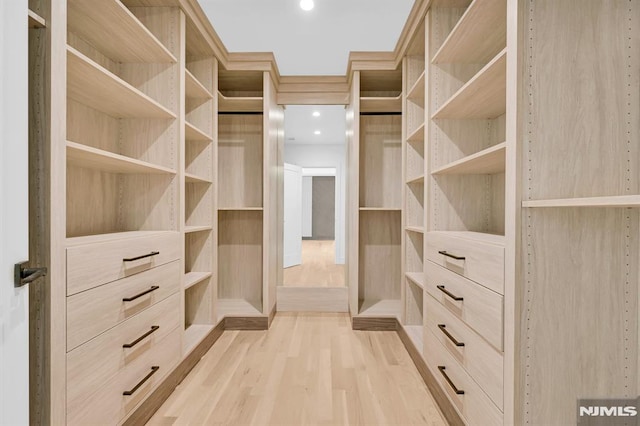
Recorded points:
306,4
316,114
317,132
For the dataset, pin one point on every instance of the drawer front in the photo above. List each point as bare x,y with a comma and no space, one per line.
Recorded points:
94,311
108,405
91,265
480,308
474,406
103,358
483,363
483,262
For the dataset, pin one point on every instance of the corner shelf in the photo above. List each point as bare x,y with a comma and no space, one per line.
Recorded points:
112,29
100,89
478,35
484,96
240,104
193,335
381,104
487,161
236,307
620,201
417,179
193,278
417,135
192,133
192,229
416,229
195,89
191,178
417,278
416,93
97,159
381,308
35,20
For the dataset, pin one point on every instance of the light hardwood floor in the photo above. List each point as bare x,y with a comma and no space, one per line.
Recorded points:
318,267
308,369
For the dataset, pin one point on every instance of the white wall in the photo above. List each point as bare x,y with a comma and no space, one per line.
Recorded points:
14,305
307,206
325,156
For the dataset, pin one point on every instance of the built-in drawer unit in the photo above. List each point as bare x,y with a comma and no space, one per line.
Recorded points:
90,265
479,257
479,307
481,360
466,395
94,311
117,359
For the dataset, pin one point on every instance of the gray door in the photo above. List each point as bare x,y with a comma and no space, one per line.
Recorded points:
324,208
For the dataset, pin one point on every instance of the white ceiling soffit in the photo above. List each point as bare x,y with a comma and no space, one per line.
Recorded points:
300,124
316,42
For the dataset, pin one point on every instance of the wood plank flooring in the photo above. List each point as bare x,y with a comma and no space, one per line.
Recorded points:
318,268
308,369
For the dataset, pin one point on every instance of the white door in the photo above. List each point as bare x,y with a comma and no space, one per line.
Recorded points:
14,213
292,215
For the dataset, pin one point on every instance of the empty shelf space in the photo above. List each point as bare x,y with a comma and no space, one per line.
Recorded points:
478,35
381,104
195,89
101,238
418,229
416,93
92,158
191,178
417,135
192,133
193,335
484,96
240,104
417,179
35,20
620,201
100,89
416,334
236,308
487,161
112,29
192,229
477,236
193,278
416,277
381,308
248,209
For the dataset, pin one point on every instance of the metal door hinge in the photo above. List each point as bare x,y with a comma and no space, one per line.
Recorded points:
24,275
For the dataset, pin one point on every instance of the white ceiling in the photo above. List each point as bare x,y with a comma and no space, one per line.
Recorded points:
317,42
300,124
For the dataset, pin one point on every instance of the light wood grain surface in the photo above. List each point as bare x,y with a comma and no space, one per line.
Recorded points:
318,268
307,369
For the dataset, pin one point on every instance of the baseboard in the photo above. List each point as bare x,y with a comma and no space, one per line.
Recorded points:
374,324
449,412
247,323
272,314
154,401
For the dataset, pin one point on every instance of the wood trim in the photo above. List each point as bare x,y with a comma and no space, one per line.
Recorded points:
154,401
246,323
374,323
272,314
448,411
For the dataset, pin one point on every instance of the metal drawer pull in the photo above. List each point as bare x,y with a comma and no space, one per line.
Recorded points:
147,377
455,389
130,299
443,328
131,259
141,338
443,252
451,295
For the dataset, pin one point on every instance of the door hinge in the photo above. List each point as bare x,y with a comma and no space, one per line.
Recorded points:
24,275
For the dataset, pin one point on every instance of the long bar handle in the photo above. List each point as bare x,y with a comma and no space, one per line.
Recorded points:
451,295
443,328
154,328
444,253
131,259
154,369
132,298
446,377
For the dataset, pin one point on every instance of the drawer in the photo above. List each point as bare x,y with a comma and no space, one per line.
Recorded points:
483,363
91,265
103,358
480,308
108,405
474,406
483,256
94,311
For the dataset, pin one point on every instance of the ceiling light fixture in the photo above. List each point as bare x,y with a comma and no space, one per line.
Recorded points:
317,132
306,4
316,114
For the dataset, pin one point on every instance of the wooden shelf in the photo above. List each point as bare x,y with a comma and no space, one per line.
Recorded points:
191,178
417,179
416,334
487,161
112,29
240,104
620,201
476,236
92,158
418,229
192,229
417,278
100,89
417,135
479,34
484,96
35,20
416,93
192,133
236,308
380,209
193,335
381,308
241,209
195,89
193,278
101,238
381,104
